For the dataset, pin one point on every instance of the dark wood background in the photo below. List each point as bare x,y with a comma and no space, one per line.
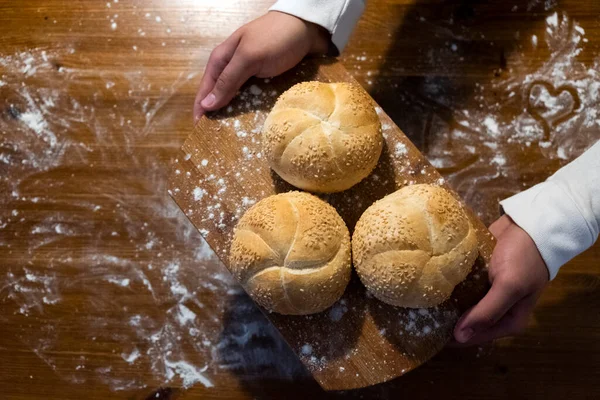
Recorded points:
122,108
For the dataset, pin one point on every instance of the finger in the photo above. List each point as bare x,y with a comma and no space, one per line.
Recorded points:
238,71
488,311
500,225
513,322
218,60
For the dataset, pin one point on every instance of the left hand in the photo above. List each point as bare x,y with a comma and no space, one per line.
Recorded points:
265,47
518,275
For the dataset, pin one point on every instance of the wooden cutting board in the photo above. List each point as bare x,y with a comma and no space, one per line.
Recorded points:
360,341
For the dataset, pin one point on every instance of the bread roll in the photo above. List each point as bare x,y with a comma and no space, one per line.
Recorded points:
291,252
323,137
412,247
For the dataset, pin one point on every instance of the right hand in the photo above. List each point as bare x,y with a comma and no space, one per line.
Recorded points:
518,275
265,47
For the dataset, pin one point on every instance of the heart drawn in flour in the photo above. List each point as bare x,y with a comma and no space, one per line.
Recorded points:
551,106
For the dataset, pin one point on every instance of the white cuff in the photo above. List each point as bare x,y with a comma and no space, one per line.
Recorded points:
337,16
554,222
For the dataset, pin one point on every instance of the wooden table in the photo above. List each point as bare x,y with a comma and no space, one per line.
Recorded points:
106,290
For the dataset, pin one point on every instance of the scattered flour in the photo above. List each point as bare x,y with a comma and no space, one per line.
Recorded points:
400,150
255,90
189,373
131,357
499,160
121,282
423,322
306,349
492,125
56,122
199,193
550,112
185,315
336,313
184,341
552,21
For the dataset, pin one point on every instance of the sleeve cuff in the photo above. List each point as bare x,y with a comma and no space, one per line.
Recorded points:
554,222
337,16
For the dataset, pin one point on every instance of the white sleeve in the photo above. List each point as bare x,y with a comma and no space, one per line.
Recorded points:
339,17
562,215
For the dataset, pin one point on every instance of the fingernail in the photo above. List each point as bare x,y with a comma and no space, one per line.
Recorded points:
208,101
465,335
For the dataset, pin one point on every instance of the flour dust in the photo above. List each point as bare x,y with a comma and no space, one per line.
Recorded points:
526,125
116,255
503,134
162,307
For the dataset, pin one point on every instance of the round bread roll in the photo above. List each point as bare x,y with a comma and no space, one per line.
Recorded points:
323,137
291,252
412,247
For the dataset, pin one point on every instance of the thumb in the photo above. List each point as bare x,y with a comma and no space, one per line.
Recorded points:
487,312
512,323
231,79
499,226
219,59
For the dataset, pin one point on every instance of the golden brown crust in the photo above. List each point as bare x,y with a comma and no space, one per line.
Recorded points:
291,252
323,137
412,247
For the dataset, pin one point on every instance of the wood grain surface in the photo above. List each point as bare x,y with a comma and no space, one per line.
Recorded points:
107,291
359,341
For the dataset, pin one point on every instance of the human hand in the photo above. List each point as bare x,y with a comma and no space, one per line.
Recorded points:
265,47
518,275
